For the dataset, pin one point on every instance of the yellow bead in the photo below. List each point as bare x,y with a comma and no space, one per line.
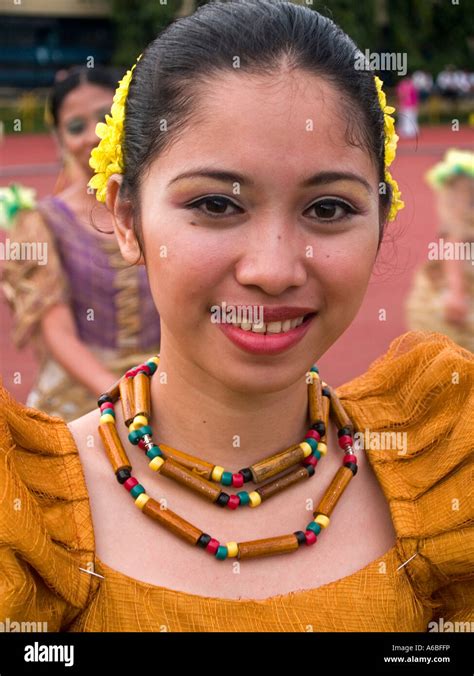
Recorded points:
307,450
255,499
232,549
314,376
157,463
106,418
322,448
140,420
134,426
217,473
322,520
142,500
155,360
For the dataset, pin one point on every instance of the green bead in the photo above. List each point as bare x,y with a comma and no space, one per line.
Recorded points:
146,429
317,454
315,527
312,442
226,479
314,369
108,410
134,437
154,452
136,490
244,497
221,552
152,366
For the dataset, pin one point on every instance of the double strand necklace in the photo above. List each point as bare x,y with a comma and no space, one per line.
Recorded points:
294,464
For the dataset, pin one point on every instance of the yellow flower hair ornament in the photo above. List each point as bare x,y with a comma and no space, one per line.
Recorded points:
391,140
107,158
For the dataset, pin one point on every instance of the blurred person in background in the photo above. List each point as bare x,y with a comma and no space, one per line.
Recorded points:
408,101
87,312
442,294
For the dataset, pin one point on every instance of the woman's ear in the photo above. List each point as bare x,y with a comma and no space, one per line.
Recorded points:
122,218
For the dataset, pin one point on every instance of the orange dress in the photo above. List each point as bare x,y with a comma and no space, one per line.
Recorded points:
422,385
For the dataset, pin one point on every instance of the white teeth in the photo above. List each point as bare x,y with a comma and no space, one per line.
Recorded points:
272,327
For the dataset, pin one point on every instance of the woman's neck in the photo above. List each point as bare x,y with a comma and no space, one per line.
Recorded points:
199,415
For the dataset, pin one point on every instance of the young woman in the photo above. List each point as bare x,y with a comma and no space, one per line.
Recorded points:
89,314
248,167
442,295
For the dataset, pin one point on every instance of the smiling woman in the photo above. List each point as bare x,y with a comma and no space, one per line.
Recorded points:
245,162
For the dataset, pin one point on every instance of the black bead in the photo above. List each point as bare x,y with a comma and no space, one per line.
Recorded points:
319,427
343,431
300,536
122,475
104,398
203,540
222,500
246,473
309,469
352,466
325,392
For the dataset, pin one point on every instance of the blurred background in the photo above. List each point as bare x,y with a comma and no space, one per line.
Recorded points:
39,38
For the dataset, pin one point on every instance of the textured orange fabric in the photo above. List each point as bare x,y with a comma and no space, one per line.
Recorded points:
422,385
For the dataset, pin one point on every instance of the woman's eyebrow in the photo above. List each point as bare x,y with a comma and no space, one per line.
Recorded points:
320,178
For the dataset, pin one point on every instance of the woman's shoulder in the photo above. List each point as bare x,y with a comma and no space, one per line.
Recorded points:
414,410
46,533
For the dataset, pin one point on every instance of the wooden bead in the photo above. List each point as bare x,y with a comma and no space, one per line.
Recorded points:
200,467
114,391
335,490
192,481
326,408
267,546
272,487
141,395
337,412
126,399
172,522
113,446
315,401
277,463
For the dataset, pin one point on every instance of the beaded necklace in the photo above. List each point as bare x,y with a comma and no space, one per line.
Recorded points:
201,477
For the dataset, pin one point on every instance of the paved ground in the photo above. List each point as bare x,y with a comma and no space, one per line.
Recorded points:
32,160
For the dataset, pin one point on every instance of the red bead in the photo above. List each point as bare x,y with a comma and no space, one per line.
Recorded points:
145,368
237,480
313,434
350,458
130,373
345,440
107,404
142,444
234,502
130,483
213,546
310,537
310,460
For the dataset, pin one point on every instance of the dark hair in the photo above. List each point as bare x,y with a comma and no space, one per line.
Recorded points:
74,77
192,50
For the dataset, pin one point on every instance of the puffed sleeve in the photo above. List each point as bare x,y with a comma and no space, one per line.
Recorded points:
46,533
425,388
31,286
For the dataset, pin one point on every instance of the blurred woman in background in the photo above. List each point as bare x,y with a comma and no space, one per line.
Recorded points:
89,314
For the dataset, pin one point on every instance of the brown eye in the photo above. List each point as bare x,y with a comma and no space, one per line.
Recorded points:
76,126
218,205
332,210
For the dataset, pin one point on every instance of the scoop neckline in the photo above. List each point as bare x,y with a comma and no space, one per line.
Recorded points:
148,586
